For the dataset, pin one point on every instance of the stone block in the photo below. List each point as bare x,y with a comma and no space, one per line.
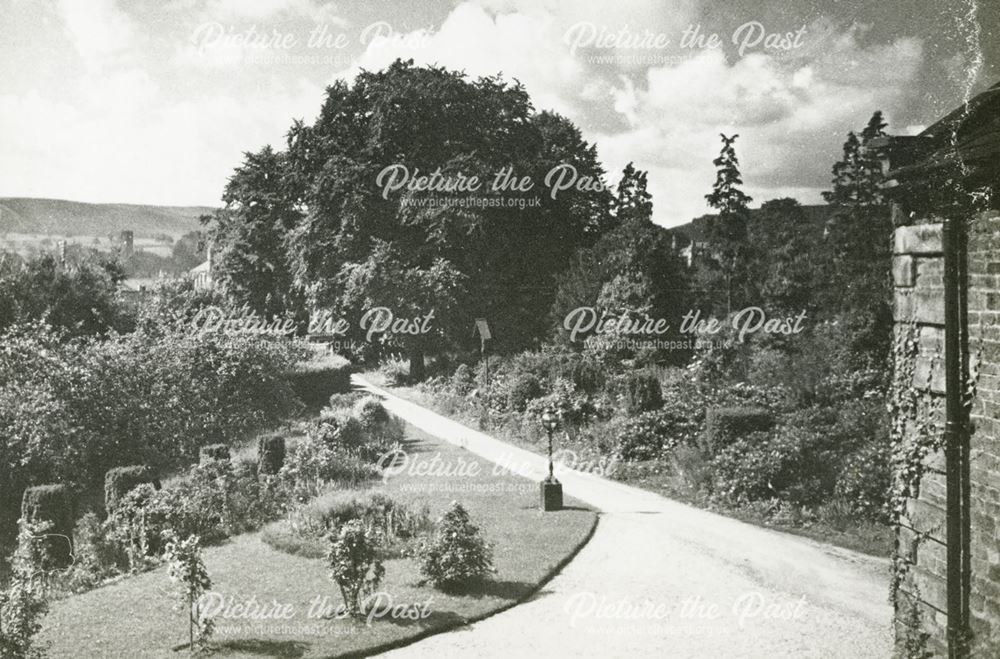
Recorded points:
904,270
922,239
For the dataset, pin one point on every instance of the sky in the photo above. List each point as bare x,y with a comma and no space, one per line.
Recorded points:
155,102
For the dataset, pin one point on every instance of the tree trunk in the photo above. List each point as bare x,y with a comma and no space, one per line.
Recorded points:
417,368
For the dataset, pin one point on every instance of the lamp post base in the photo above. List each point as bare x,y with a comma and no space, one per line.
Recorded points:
551,491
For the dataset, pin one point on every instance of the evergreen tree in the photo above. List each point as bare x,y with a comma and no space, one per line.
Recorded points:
727,233
858,240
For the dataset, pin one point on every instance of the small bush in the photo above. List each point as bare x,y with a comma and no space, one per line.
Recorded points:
462,381
725,425
213,452
52,504
120,480
457,556
270,454
371,413
641,393
396,371
524,388
354,564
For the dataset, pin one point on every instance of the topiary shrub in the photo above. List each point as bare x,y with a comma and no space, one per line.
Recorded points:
524,388
120,480
725,425
52,504
270,454
457,556
641,393
314,381
213,452
354,564
463,380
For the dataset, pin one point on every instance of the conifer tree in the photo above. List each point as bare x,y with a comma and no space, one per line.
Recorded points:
727,233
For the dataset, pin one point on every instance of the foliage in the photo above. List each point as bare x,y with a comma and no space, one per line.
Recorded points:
79,298
647,435
186,569
313,464
727,233
457,556
23,602
120,480
354,564
394,524
213,452
725,425
523,390
70,411
641,393
859,236
52,505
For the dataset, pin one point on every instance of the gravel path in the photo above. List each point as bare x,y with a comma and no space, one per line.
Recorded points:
663,579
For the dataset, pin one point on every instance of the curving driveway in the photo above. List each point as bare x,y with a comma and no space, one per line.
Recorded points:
663,579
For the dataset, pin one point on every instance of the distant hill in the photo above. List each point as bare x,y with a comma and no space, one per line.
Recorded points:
816,214
73,218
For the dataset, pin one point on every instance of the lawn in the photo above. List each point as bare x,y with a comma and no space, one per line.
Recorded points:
135,618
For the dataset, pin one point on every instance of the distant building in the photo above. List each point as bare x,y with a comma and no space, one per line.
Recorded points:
202,273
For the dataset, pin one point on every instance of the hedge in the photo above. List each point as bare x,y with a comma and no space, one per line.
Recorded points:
725,425
121,480
53,504
314,381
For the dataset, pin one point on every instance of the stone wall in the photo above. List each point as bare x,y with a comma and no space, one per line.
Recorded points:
917,269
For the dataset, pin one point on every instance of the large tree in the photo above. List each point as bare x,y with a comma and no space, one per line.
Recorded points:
294,220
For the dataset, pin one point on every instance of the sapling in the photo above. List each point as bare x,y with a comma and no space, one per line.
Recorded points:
186,568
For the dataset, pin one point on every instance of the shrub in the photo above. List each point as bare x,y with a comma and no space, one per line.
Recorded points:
457,556
270,454
120,480
354,564
725,425
865,480
52,504
641,393
396,370
371,413
395,524
96,557
213,452
462,381
313,381
790,464
313,464
23,601
524,388
647,435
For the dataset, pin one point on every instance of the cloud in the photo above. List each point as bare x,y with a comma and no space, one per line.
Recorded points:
97,28
792,108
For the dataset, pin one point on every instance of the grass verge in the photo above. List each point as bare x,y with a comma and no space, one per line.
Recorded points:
136,618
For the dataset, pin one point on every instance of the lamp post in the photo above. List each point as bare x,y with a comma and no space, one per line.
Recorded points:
551,489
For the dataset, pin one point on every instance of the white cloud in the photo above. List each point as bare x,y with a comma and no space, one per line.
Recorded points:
96,27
